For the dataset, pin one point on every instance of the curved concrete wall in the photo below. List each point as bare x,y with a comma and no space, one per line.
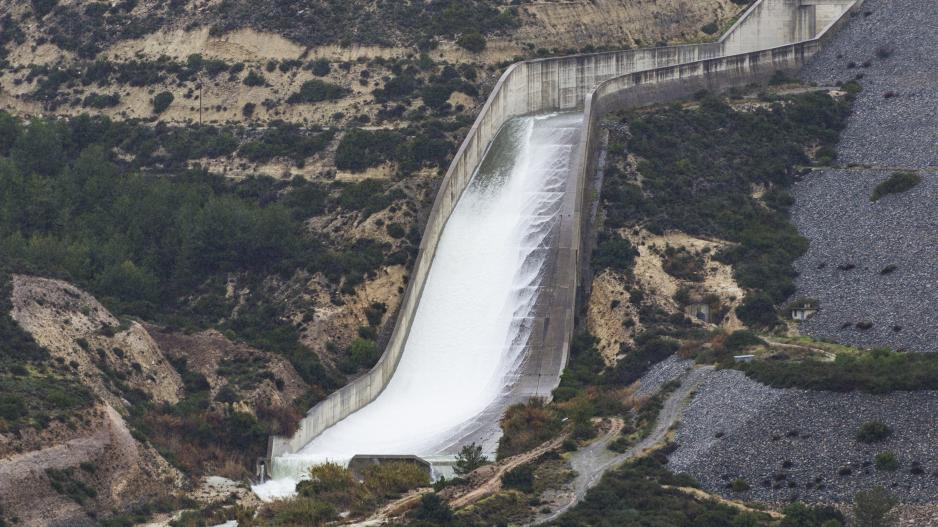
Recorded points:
561,84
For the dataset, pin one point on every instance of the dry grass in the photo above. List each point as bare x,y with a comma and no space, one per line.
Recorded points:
525,426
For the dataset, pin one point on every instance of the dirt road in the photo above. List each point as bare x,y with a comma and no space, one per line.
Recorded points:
591,462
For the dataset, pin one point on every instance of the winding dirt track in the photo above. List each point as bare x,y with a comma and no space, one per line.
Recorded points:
591,462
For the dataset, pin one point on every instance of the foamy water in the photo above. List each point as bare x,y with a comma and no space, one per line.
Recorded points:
469,331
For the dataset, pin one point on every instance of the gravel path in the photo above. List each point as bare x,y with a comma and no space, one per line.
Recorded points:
792,444
592,461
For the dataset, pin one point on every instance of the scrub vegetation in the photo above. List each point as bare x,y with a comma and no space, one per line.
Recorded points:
896,184
700,182
160,248
34,391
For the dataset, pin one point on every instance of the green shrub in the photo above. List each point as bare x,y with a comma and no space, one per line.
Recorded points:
613,252
286,140
895,184
739,485
873,432
710,28
520,478
800,515
876,371
473,42
248,110
469,458
396,230
303,512
98,100
875,508
758,311
526,426
253,78
43,7
886,461
362,354
162,101
328,477
739,340
320,67
634,494
64,481
315,90
361,149
395,478
434,510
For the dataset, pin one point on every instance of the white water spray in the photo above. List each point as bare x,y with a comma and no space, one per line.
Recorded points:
471,326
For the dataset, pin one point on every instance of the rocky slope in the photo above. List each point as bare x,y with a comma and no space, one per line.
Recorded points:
854,240
78,331
98,462
74,475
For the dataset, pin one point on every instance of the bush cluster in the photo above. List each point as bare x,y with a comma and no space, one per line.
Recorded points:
876,371
897,183
698,167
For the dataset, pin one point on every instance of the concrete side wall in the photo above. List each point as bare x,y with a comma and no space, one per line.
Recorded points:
527,87
772,24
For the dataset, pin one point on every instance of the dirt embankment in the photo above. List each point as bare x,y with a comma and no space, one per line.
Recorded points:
104,351
613,316
259,378
102,456
619,23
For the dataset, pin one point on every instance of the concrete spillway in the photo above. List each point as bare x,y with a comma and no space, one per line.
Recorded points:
469,342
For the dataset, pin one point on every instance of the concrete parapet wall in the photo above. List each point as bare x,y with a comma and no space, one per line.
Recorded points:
625,78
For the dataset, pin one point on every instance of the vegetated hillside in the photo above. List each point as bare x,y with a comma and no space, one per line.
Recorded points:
208,211
315,64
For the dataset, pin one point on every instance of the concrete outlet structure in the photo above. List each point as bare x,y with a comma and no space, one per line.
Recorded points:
771,36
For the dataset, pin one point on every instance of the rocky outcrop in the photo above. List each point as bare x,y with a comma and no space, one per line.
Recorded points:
109,355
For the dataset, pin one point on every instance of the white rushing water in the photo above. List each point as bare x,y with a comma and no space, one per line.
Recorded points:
468,335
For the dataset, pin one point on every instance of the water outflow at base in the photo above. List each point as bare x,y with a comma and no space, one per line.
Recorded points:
470,331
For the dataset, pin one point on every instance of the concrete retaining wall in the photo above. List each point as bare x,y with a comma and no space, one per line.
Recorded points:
565,83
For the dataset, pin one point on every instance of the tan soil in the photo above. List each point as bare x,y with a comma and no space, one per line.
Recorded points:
60,316
607,323
651,277
205,351
125,472
339,323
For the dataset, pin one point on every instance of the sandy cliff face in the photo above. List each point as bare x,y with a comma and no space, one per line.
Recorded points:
78,331
619,23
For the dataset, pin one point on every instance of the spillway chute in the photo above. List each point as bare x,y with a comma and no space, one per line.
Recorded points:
471,333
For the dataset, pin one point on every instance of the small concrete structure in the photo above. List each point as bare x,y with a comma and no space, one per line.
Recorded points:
358,464
700,311
744,358
804,310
